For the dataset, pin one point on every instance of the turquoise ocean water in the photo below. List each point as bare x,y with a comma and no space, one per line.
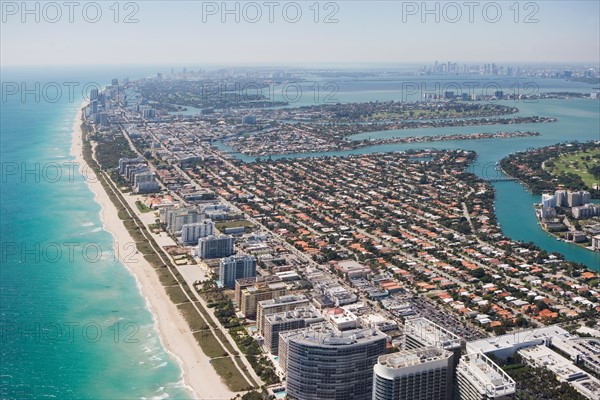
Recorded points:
73,325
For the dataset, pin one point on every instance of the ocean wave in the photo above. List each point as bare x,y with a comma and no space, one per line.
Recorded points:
160,397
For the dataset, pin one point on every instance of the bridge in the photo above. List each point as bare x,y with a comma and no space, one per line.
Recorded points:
502,179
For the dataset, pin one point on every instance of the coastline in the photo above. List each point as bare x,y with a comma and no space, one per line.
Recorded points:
556,235
173,331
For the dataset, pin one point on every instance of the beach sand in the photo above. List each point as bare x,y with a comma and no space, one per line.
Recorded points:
175,335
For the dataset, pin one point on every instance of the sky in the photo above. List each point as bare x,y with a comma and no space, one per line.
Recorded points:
300,32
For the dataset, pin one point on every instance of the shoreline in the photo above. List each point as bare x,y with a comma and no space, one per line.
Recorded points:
555,234
174,334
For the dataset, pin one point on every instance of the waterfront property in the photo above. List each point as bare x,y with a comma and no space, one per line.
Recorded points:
322,363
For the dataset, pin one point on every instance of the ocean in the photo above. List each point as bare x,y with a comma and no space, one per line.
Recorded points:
73,324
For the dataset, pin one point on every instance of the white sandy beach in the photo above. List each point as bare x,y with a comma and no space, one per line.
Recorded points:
173,330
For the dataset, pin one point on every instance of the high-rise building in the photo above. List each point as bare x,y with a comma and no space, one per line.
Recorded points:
243,283
573,199
236,267
479,378
561,198
288,321
175,218
579,198
548,201
124,162
275,305
215,247
585,197
548,213
421,332
190,233
260,291
145,182
249,119
587,211
416,374
149,113
322,363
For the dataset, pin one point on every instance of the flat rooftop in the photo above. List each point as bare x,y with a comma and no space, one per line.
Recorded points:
494,344
326,335
564,369
486,375
431,333
289,298
409,358
299,313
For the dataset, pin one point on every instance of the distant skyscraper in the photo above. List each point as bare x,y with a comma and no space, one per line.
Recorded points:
573,199
585,197
561,198
548,201
250,119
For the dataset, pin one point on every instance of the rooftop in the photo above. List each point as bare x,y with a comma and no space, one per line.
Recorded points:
290,298
309,312
409,358
431,333
486,375
494,344
326,335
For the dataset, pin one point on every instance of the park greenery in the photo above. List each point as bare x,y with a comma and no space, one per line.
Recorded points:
572,166
537,383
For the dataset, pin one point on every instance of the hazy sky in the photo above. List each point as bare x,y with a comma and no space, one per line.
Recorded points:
286,32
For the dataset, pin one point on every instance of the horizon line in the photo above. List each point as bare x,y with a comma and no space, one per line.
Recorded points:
304,64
